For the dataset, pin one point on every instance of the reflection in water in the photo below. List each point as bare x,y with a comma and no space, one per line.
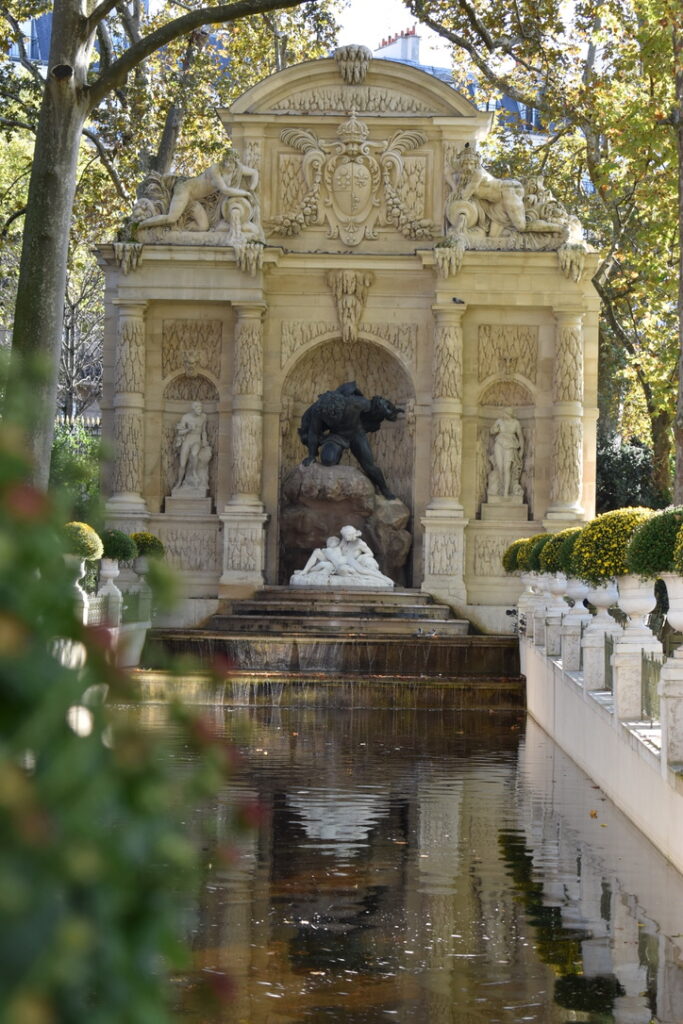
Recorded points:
428,867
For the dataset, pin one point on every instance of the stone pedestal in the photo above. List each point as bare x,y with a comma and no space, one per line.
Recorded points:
553,633
505,510
627,674
243,548
570,641
444,546
180,504
671,710
593,645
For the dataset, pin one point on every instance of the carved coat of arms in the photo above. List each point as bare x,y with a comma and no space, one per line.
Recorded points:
352,184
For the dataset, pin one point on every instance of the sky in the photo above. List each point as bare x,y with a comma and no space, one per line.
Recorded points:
371,21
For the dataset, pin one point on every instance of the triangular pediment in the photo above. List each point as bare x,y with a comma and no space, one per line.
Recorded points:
387,87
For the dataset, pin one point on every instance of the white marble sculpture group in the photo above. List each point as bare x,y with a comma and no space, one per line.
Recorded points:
345,561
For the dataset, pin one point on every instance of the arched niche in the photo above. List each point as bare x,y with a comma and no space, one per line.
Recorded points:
377,372
179,394
496,395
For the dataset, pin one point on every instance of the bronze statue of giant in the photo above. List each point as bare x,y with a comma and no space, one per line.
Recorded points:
340,420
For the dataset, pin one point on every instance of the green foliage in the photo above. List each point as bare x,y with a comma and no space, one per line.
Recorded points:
118,545
600,549
550,554
678,553
651,549
524,552
94,852
624,476
534,556
75,471
147,544
564,559
82,540
509,558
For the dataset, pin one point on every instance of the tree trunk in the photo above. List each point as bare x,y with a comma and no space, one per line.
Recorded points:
661,454
677,118
36,342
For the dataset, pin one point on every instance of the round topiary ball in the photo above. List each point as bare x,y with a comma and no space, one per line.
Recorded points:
148,545
83,541
599,553
535,553
118,545
550,553
651,549
509,558
566,549
524,552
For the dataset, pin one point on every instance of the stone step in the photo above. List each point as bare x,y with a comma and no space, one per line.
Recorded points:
336,608
339,595
491,658
323,625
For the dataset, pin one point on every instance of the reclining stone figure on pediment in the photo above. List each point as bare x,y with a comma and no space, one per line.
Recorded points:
489,213
220,206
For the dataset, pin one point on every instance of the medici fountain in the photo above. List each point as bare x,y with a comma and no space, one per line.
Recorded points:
348,321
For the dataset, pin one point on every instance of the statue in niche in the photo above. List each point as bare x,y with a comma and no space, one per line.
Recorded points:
194,452
341,420
506,457
345,561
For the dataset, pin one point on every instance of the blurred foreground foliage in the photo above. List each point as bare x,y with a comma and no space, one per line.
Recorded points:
95,863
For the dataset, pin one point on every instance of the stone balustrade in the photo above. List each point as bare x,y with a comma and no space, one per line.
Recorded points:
598,707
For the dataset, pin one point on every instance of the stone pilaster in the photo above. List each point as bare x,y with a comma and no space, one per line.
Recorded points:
243,518
566,483
443,523
128,401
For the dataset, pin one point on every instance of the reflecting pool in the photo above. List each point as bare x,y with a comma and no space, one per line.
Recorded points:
427,867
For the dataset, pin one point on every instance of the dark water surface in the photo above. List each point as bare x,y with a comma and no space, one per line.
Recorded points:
427,867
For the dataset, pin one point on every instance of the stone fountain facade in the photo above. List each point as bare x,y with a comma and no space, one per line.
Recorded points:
351,233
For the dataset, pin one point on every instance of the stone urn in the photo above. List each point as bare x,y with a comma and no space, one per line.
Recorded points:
576,591
636,599
674,591
109,571
557,586
603,597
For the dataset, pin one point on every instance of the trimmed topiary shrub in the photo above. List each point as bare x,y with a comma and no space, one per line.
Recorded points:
118,545
678,553
82,540
148,545
536,551
550,553
600,550
567,548
651,549
509,558
524,552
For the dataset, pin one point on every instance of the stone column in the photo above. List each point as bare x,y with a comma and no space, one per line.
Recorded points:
128,400
444,523
567,452
243,517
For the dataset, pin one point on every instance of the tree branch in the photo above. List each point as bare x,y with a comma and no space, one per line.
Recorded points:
23,56
116,74
106,163
502,84
12,217
100,13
